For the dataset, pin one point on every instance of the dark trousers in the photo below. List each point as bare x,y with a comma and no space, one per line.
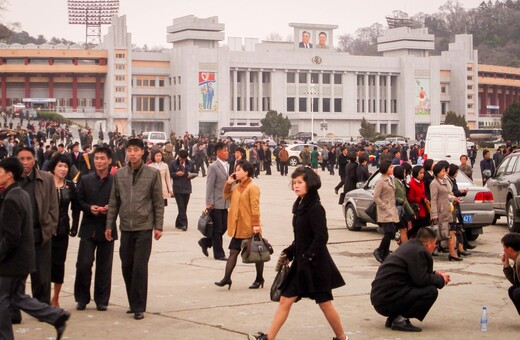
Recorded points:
257,169
415,304
267,167
89,251
514,295
324,164
182,204
200,166
341,183
12,294
219,217
277,164
60,244
41,278
284,169
135,250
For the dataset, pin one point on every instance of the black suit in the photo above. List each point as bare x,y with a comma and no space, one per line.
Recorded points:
302,45
405,283
428,178
182,189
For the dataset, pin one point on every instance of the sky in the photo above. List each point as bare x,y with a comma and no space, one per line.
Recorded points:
147,20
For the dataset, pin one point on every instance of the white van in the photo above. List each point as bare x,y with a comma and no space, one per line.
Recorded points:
445,142
154,137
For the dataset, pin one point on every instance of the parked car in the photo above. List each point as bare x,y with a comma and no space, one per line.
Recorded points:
380,143
154,137
505,186
397,140
476,207
294,152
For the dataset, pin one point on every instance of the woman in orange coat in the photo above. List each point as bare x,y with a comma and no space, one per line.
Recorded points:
243,218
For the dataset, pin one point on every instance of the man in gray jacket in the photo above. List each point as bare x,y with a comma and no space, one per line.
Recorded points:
136,197
215,202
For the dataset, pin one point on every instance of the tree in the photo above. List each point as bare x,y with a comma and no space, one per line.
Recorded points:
274,124
453,119
367,131
511,123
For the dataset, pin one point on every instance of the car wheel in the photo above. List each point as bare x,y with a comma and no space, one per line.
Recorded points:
470,236
293,161
511,224
351,219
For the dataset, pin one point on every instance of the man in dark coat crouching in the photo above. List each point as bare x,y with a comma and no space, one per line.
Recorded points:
405,285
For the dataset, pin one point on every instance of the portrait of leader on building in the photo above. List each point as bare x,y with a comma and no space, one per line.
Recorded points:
306,36
322,40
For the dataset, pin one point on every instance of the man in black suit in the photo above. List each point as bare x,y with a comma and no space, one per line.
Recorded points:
240,153
94,194
306,36
17,255
75,155
405,285
180,170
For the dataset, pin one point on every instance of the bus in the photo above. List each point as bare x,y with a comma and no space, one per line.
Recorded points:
488,134
241,132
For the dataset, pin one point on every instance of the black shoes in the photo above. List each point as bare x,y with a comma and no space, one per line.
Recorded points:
129,311
81,306
389,320
464,253
257,284
139,315
223,283
60,324
453,258
404,325
378,256
184,228
258,336
220,258
100,307
204,248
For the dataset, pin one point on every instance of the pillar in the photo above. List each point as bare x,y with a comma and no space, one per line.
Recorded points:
235,90
27,87
248,90
503,102
366,93
97,100
4,93
320,91
74,93
297,92
260,92
377,109
484,100
388,94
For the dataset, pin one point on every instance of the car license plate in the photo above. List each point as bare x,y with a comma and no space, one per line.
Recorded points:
467,218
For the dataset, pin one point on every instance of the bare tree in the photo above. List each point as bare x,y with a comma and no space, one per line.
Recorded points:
274,36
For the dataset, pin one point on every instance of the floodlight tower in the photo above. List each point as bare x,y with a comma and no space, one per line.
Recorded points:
92,14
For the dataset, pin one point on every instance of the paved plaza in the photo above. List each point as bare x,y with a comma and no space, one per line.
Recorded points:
183,302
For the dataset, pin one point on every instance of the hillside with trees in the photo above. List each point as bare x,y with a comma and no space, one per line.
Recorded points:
495,27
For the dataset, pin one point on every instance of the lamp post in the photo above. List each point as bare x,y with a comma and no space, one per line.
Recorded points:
311,93
324,127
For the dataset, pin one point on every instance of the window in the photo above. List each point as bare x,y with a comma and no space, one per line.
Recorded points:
360,80
326,104
314,78
266,77
120,55
303,104
174,80
120,78
179,95
174,103
315,104
382,81
290,77
161,104
511,165
372,80
394,106
120,89
337,104
290,104
120,67
179,84
326,78
443,88
120,100
337,79
152,104
146,82
302,78
470,87
152,82
161,82
138,82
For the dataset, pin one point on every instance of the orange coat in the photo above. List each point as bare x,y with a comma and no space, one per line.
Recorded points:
244,208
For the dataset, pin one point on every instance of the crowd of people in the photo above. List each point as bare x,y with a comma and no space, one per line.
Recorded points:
127,179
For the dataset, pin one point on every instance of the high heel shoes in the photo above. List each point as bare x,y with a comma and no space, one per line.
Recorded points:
453,258
257,284
223,283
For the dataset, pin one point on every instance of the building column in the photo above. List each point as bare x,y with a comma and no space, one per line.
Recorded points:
234,95
332,88
248,89
503,102
366,94
320,91
377,109
260,92
483,100
74,93
388,94
495,95
97,100
297,92
27,93
4,93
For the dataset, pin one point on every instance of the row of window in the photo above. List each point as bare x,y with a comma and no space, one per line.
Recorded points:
253,77
147,104
302,104
314,78
143,82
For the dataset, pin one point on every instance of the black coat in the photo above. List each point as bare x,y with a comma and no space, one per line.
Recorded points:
312,266
342,162
68,195
350,176
181,184
410,266
427,179
16,233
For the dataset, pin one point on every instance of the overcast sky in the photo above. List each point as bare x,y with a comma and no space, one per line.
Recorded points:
147,20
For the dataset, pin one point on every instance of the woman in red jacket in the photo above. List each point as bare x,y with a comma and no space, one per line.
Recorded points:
417,198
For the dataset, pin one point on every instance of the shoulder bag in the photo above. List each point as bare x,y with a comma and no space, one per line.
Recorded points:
280,277
371,211
256,249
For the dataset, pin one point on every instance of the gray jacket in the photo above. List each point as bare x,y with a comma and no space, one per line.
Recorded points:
138,203
217,177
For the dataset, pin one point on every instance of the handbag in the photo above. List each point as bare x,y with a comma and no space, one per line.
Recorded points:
280,277
371,211
256,249
205,224
442,230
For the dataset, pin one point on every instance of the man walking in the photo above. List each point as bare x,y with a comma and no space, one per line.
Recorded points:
136,197
94,194
17,255
283,155
216,204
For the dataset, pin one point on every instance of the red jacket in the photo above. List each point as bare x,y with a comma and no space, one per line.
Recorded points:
417,194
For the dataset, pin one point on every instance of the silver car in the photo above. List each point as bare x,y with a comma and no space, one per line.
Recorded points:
476,206
294,152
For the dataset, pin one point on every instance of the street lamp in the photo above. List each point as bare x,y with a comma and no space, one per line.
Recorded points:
324,127
312,92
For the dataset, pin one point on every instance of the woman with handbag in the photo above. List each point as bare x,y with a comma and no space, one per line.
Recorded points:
417,197
243,218
406,213
313,273
441,208
387,216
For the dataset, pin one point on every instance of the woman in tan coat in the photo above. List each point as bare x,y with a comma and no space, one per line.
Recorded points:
243,218
387,216
157,163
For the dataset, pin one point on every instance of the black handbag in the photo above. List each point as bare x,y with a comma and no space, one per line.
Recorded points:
256,249
282,273
205,224
371,211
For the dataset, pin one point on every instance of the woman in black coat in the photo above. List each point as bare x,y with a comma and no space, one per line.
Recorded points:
351,172
313,273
